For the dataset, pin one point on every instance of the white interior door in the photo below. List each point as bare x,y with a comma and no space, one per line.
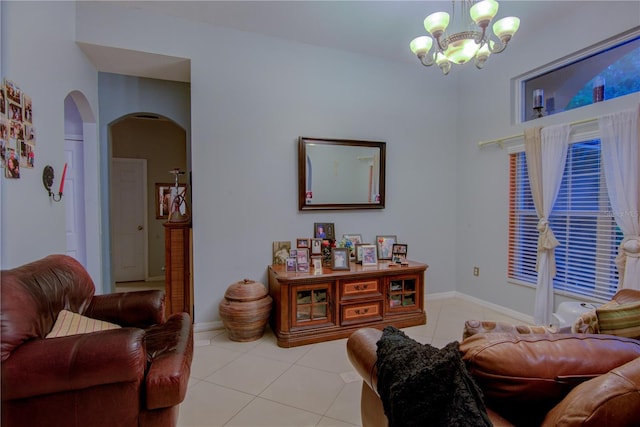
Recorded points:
74,199
128,219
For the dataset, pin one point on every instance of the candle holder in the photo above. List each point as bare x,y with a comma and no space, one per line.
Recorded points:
538,111
47,180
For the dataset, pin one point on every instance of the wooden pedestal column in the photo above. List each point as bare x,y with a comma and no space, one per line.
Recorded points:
177,249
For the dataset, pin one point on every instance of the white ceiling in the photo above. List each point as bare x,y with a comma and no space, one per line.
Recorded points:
377,28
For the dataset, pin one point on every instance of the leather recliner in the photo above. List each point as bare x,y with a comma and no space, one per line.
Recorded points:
535,379
135,375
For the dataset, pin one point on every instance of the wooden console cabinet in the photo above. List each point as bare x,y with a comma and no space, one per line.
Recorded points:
310,307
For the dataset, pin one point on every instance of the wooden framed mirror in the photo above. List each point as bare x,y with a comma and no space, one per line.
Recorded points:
338,174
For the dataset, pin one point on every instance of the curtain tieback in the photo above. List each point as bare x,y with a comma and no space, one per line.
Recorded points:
630,245
546,243
546,240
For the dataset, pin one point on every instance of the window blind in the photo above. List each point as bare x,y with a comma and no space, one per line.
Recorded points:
581,220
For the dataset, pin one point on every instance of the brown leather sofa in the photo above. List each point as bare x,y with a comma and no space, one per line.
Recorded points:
135,375
547,379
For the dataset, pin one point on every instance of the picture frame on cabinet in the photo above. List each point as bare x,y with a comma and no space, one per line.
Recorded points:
324,230
385,246
340,259
302,256
358,251
316,246
399,252
369,255
291,265
302,243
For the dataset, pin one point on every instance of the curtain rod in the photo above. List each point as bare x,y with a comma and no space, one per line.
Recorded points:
499,141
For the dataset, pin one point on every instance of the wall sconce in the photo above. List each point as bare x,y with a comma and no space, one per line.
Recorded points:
47,179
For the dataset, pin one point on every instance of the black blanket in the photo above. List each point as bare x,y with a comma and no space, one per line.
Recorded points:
421,385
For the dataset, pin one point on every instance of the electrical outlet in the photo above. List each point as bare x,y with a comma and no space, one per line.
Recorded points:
476,271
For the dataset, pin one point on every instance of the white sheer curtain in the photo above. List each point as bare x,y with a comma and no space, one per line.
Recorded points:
546,153
620,158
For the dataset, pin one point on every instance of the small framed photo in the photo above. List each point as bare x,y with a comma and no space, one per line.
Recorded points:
302,256
385,246
291,265
316,261
340,259
324,230
281,251
302,243
353,238
369,255
303,268
316,246
399,252
358,251
293,253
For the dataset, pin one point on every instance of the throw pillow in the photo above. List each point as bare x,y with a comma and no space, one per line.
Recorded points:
422,385
472,327
70,323
622,320
586,323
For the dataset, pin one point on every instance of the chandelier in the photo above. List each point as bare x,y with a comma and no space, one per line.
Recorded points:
471,42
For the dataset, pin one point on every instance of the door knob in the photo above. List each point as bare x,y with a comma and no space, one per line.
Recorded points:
140,227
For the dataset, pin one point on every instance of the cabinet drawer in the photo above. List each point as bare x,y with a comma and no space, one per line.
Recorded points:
360,313
359,288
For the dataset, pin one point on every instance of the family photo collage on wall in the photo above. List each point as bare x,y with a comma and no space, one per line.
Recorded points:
17,133
324,250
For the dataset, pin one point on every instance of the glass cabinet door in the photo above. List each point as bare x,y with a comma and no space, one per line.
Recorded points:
311,304
402,293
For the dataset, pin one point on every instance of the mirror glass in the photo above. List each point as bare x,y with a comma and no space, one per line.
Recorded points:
340,174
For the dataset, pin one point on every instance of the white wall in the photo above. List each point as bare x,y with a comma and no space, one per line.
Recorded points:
485,104
249,105
39,55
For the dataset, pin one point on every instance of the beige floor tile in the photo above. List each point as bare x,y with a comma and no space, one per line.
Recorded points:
248,373
269,348
208,359
346,407
305,388
330,422
208,404
328,356
262,412
222,340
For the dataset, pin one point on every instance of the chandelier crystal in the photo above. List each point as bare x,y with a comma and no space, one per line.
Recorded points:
471,42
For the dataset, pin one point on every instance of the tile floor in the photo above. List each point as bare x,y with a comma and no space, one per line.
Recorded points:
260,384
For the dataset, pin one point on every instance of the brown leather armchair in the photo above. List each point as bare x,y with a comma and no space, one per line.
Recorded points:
135,375
534,379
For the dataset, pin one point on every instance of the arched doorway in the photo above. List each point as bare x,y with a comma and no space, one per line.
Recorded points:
82,185
144,147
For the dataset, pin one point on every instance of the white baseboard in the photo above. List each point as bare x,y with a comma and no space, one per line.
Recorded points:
218,325
208,326
495,307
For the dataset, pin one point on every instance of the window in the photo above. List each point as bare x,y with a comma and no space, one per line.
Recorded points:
581,219
571,83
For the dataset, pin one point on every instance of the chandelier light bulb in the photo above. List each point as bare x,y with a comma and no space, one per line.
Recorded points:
505,28
436,23
421,45
483,12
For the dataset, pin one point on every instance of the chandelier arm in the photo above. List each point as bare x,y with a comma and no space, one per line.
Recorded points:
427,62
497,46
480,37
441,46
